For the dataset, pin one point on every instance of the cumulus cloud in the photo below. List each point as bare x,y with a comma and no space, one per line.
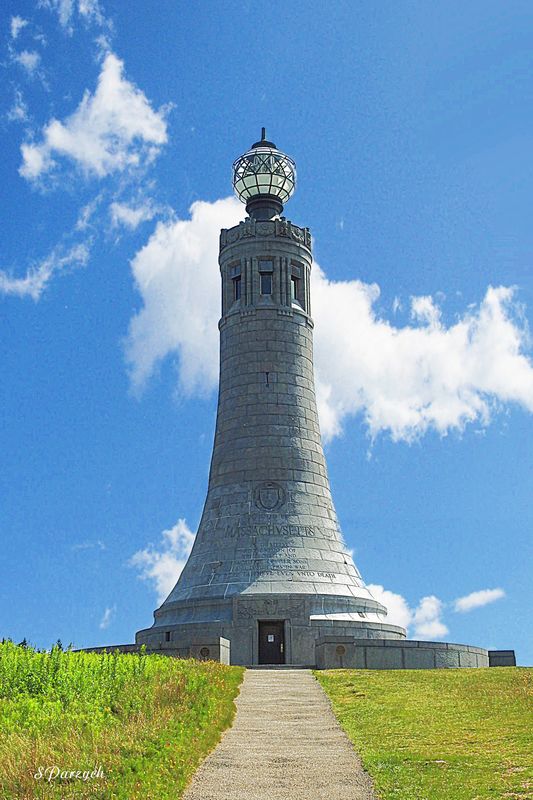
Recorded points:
398,610
162,565
408,380
424,621
107,617
131,216
404,380
427,619
17,24
38,276
177,275
112,130
477,599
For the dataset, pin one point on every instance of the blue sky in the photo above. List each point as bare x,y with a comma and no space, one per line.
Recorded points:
411,126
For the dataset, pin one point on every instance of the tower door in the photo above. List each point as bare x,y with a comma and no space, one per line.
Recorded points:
271,642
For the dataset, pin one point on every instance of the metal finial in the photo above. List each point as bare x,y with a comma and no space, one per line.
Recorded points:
263,134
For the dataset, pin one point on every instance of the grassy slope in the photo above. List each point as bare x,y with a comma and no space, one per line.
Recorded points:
147,720
439,734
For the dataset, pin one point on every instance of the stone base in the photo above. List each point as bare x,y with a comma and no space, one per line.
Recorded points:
305,619
330,652
334,652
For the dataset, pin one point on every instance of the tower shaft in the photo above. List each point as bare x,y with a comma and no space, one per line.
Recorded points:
268,546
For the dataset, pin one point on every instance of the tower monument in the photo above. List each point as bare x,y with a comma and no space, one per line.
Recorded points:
269,579
269,569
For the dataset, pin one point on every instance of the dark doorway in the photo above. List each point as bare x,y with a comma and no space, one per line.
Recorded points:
271,643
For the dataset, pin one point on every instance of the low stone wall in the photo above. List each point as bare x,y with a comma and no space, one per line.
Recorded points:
111,648
502,658
203,650
334,652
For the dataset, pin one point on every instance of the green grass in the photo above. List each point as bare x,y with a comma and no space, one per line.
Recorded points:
148,720
461,734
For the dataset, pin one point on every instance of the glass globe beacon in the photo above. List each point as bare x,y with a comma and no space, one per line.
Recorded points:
264,172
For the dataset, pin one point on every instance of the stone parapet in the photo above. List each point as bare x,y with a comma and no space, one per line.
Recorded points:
348,652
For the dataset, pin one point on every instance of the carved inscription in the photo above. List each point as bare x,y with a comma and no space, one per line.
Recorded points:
273,529
293,573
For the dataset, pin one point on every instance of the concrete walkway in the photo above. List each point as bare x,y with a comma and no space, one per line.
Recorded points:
285,744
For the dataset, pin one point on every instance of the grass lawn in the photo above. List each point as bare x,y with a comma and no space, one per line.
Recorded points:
146,720
464,734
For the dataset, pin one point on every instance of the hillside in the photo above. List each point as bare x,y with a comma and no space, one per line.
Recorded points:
462,734
145,721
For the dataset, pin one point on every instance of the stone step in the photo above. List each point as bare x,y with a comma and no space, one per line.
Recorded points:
280,666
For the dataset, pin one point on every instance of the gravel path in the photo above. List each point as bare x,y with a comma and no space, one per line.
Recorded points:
285,744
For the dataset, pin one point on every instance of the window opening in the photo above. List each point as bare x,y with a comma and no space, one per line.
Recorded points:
266,283
237,288
295,289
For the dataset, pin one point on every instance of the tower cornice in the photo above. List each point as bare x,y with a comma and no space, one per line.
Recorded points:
251,228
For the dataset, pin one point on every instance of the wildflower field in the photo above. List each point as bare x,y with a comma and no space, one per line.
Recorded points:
130,726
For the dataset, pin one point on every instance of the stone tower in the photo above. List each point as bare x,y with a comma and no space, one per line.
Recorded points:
269,570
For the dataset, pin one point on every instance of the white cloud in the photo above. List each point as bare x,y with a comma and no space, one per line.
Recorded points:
403,380
88,545
28,59
87,213
17,23
427,619
477,599
64,9
89,10
177,275
112,130
424,310
398,611
422,622
19,110
131,216
162,565
408,380
37,277
107,617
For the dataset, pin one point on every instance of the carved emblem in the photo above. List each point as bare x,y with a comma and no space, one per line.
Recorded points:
269,496
269,608
265,228
297,233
